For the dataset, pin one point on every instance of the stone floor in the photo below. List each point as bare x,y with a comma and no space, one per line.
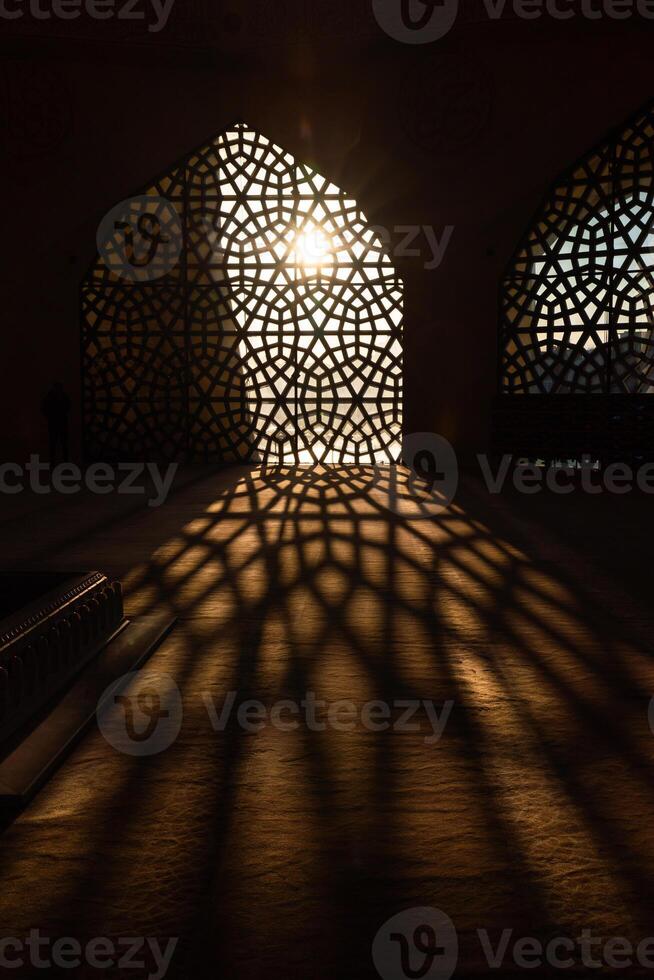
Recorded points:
281,853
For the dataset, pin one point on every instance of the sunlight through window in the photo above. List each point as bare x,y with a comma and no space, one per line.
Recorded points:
319,311
276,337
578,301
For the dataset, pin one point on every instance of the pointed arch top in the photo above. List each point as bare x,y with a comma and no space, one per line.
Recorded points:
577,301
274,305
239,162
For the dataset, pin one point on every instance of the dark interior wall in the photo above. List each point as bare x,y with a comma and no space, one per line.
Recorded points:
466,132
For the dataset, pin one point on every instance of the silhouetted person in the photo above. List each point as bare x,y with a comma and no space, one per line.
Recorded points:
56,408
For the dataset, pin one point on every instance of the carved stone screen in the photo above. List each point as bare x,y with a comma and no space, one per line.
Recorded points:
241,307
578,301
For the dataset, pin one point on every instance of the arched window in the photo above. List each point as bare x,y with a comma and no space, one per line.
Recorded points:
241,307
578,299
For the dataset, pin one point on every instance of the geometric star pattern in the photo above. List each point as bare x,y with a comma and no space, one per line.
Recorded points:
275,336
577,305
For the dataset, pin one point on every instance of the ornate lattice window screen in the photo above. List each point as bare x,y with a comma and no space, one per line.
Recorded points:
276,335
578,300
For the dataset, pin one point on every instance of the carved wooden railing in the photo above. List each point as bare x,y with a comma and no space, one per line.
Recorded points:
45,643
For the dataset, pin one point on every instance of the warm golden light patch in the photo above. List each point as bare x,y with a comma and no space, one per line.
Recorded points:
312,247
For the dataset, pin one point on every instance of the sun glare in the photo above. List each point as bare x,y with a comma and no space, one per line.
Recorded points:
313,246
